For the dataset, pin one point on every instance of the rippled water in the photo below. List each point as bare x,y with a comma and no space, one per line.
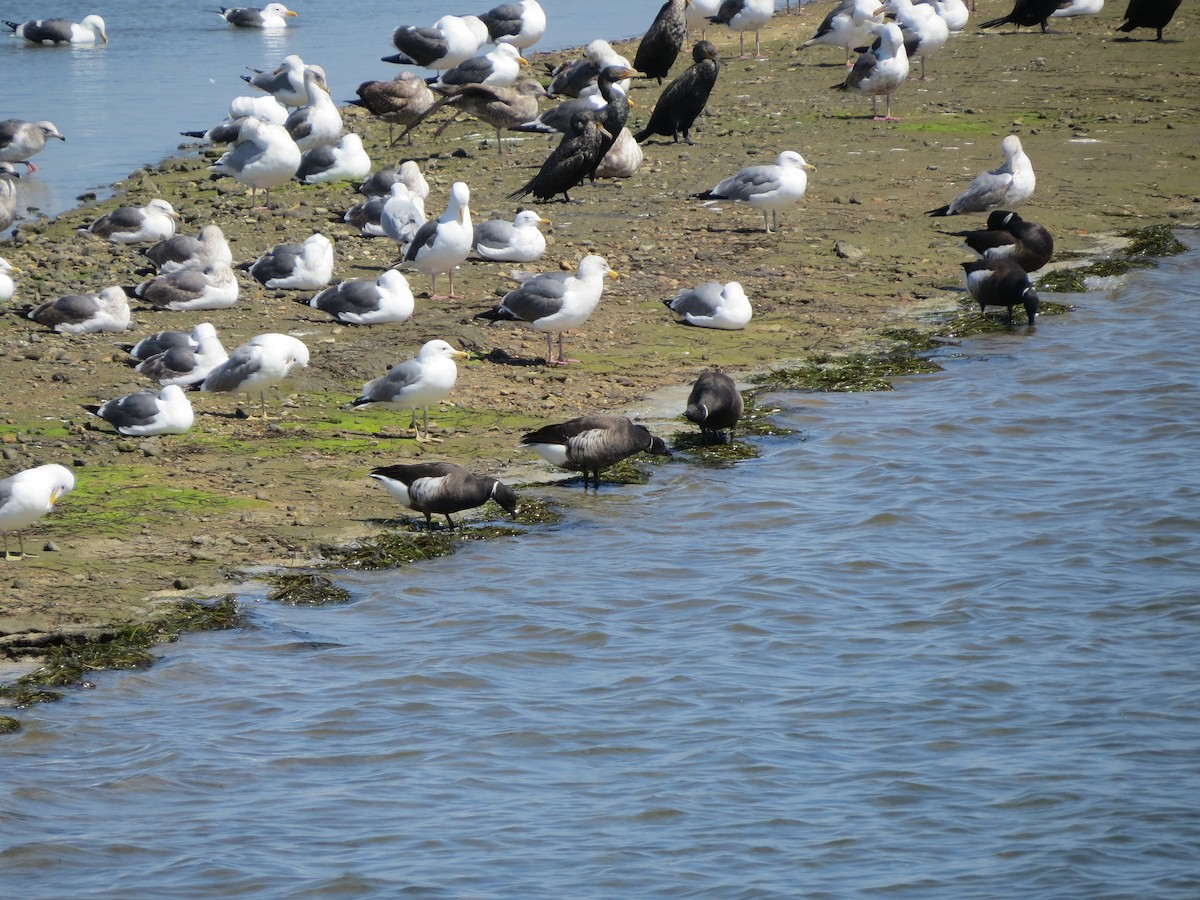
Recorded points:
173,65
938,642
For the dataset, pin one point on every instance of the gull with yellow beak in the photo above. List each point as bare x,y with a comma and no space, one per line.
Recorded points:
273,15
442,245
415,383
769,188
29,495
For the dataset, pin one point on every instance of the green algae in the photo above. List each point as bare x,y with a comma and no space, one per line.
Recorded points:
70,662
854,372
8,724
1145,245
305,589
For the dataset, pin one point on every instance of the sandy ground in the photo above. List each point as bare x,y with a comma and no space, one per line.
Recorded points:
1111,127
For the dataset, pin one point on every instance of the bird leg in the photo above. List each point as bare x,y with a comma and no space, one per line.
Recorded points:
562,358
887,115
20,554
446,124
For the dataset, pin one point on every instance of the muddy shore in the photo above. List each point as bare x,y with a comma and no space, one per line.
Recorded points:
1111,127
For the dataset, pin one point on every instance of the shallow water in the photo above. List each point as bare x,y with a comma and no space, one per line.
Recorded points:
173,66
937,642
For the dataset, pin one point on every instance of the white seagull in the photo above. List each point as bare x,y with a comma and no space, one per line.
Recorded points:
344,161
442,245
285,83
515,241
1005,187
148,413
182,363
318,122
7,286
264,157
183,250
296,267
29,495
151,223
20,140
713,305
363,301
415,383
85,313
273,15
768,187
211,286
262,362
880,70
61,31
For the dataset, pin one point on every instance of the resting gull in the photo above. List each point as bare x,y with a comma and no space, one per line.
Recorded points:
441,246
296,267
521,24
61,31
499,66
623,158
285,83
555,302
273,15
344,161
405,100
262,362
27,496
85,313
7,286
592,443
151,223
715,404
1008,236
379,184
264,157
20,140
365,301
515,241
318,122
768,187
402,215
743,16
1008,185
415,383
365,216
183,364
212,286
682,101
880,70
441,488
167,340
712,305
148,413
8,195
183,250
660,45
1001,282
449,42
848,25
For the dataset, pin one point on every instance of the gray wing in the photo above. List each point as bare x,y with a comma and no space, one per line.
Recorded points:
240,156
358,296
535,299
5,491
299,123
749,182
243,363
66,310
423,238
130,411
243,17
503,20
472,71
494,233
702,300
399,377
271,82
179,248
986,192
179,286
315,161
57,30
161,343
123,218
169,364
8,131
278,262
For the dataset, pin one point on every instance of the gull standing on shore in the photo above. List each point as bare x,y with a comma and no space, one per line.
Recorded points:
441,246
20,140
415,383
265,156
8,195
318,122
263,361
7,286
1008,185
27,496
285,83
769,187
880,70
848,25
447,43
745,15
405,100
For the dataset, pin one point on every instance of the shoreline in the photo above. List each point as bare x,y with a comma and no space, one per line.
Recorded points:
167,519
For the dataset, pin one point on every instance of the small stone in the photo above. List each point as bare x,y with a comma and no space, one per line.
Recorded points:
848,251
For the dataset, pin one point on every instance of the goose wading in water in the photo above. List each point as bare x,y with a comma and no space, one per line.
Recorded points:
591,444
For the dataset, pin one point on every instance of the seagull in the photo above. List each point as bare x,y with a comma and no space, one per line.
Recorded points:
212,286
61,31
181,363
415,383
1006,186
344,161
957,14
1078,8
555,302
573,79
449,42
402,215
7,287
153,222
1008,236
443,488
285,83
318,122
925,31
442,245
1156,14
576,156
20,140
166,340
148,413
365,301
263,361
623,158
607,90
498,106
682,101
660,45
880,70
1027,13
273,15
85,313
408,174
848,25
713,305
743,16
715,404
241,108
8,195
501,66
405,100
296,267
264,157
1001,282
27,496
521,24
769,187
515,241
699,12
592,443
183,250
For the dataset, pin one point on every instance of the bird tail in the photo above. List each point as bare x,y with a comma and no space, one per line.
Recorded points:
708,195
642,135
400,59
1124,26
497,314
521,191
245,78
13,25
994,22
194,134
940,211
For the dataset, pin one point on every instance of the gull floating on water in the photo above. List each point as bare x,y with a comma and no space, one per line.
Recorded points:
60,31
366,301
296,267
415,383
1007,186
592,443
85,313
27,496
273,15
20,140
151,223
148,413
441,488
768,187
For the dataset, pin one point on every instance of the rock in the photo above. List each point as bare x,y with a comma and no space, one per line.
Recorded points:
848,251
